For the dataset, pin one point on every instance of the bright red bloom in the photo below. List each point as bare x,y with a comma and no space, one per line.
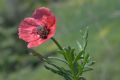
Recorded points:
39,28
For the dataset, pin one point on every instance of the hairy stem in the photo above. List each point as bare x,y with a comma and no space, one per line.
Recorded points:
56,42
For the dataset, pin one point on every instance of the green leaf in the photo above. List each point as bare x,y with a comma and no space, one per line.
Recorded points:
63,52
81,78
59,70
80,68
59,59
90,63
80,46
72,54
51,69
85,37
69,55
79,56
87,69
86,58
66,76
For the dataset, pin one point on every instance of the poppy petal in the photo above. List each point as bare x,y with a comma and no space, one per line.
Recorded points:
40,12
26,29
36,43
51,21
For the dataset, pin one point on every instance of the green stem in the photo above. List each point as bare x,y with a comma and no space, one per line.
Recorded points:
56,42
73,72
72,65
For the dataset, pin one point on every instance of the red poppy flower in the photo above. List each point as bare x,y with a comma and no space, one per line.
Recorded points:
39,28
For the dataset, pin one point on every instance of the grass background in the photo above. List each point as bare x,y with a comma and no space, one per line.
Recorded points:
103,19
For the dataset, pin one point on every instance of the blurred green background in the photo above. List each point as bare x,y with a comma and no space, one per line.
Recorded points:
101,16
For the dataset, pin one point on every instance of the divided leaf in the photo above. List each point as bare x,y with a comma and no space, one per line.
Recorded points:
59,70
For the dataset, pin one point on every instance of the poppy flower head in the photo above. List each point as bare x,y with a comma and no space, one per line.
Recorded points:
39,28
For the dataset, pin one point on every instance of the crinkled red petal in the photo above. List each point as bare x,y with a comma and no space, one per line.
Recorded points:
26,30
40,12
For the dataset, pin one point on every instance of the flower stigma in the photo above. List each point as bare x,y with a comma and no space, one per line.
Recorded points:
42,31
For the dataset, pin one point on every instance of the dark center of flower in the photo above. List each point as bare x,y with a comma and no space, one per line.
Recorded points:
42,31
